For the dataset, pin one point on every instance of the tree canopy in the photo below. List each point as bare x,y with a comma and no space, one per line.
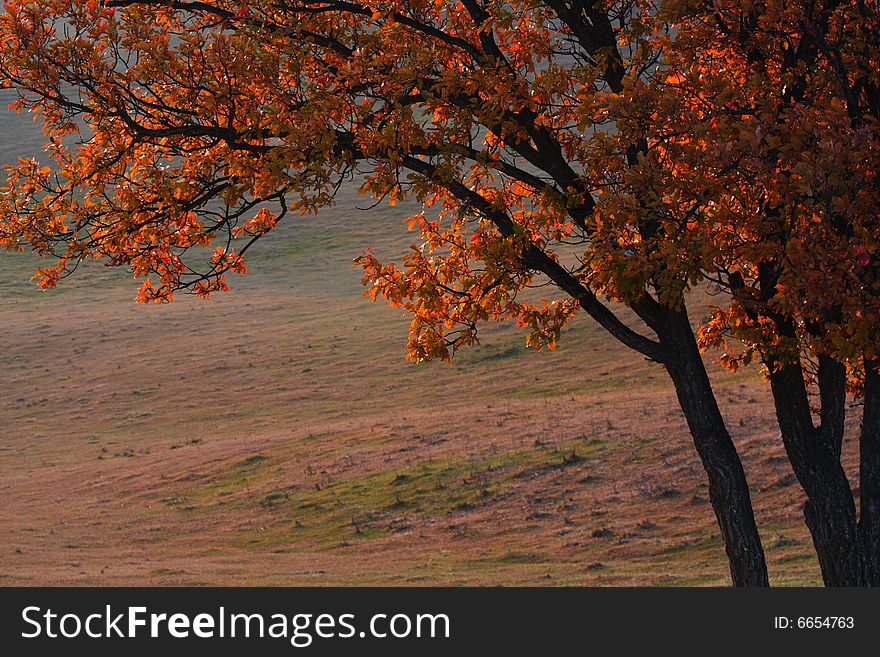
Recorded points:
607,151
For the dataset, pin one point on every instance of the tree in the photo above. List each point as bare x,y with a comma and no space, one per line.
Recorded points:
607,151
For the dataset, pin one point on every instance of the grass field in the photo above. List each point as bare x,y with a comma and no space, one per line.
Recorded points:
275,435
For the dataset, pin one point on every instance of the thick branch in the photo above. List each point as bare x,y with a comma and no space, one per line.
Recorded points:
536,259
832,395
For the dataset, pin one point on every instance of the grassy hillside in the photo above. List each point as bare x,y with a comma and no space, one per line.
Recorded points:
276,435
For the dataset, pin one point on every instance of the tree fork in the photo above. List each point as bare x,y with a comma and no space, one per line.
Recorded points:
830,511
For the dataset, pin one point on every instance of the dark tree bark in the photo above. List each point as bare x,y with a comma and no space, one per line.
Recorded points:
832,396
869,474
830,511
728,487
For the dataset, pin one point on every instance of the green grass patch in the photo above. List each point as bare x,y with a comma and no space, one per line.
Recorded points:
335,513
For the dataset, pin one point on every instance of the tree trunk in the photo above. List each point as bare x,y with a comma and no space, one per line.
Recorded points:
728,488
830,511
869,474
